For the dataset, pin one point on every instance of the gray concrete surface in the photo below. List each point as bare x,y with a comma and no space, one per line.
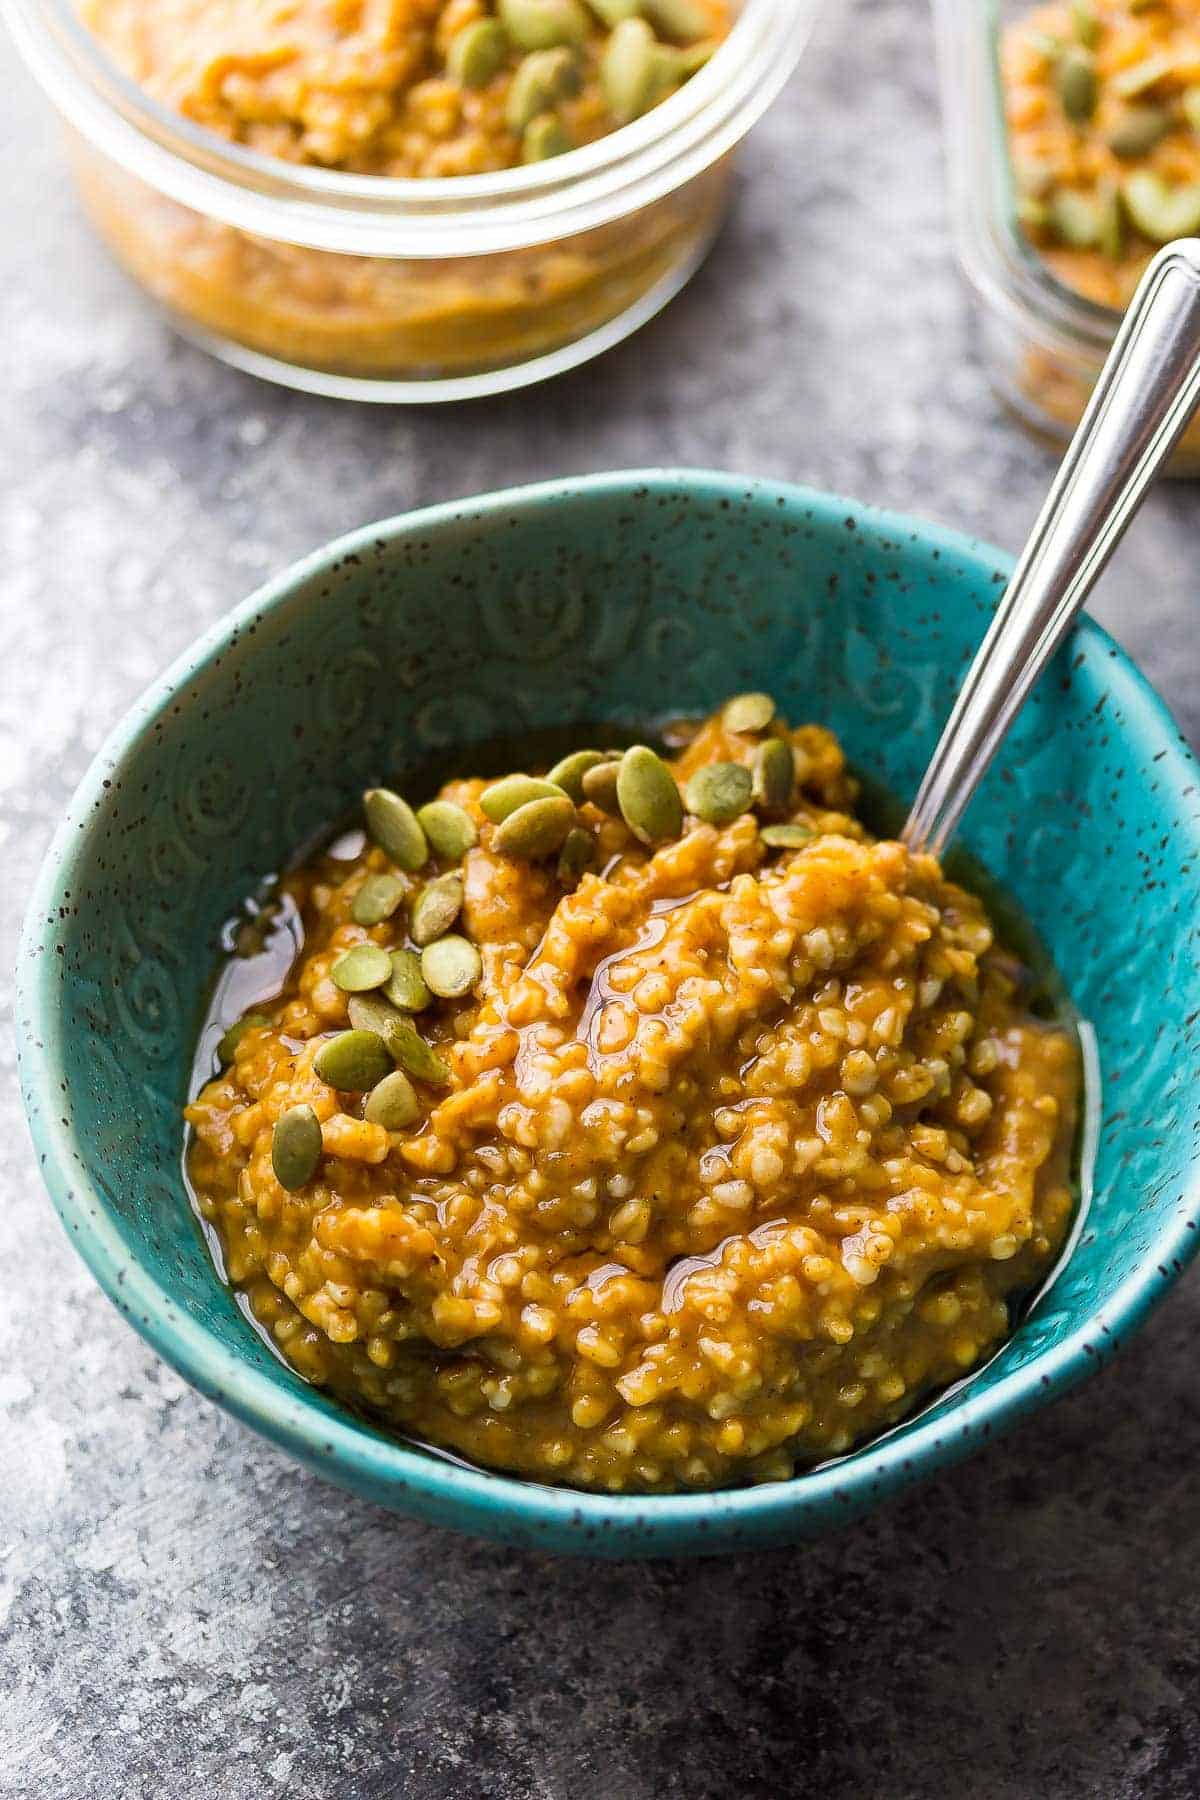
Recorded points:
183,1611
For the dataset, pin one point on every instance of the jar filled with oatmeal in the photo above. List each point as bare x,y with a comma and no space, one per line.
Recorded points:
1074,154
412,201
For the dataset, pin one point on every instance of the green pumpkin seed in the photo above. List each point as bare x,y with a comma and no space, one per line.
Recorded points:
1138,130
393,1103
543,138
1190,102
719,792
476,53
406,985
414,1054
227,1045
449,828
611,12
692,58
1078,88
577,854
296,1147
748,713
377,899
536,829
353,1061
392,824
1145,74
683,20
451,967
504,797
543,79
1112,221
543,24
364,967
786,837
371,1012
1075,218
1033,213
774,775
569,773
600,786
1087,25
1159,212
629,70
649,799
435,909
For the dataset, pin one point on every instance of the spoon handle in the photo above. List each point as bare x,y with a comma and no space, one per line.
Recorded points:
1147,391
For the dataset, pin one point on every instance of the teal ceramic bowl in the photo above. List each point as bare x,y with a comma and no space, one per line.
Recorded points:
613,598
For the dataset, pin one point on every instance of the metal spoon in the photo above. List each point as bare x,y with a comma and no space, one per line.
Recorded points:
1146,394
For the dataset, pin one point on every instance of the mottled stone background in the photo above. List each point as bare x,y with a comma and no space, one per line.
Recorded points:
184,1612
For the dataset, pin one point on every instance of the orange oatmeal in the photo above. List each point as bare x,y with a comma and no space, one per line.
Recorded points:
688,1135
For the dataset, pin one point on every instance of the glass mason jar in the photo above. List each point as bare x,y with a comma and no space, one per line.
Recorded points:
1043,344
374,288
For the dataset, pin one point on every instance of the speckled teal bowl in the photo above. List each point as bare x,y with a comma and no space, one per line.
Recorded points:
617,597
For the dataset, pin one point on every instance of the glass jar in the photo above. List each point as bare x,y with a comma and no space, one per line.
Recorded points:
1042,343
374,288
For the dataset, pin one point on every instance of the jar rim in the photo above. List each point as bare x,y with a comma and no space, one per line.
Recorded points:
415,216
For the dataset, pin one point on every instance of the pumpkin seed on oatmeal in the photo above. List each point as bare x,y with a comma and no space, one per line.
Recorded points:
723,1142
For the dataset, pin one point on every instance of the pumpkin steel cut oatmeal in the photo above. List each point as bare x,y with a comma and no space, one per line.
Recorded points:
644,1125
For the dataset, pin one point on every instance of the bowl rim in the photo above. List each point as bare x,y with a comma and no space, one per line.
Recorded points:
476,1500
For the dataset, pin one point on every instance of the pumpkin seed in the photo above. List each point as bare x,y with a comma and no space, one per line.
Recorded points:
392,823
406,985
1138,130
748,713
1159,212
719,792
228,1043
1034,213
504,797
786,837
393,1103
353,1061
692,58
377,899
364,967
449,828
649,799
1078,88
1087,25
414,1054
774,775
542,79
296,1147
451,967
435,909
1112,221
600,786
577,854
569,773
543,138
536,829
1075,218
680,19
476,53
1142,75
371,1012
629,70
543,24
